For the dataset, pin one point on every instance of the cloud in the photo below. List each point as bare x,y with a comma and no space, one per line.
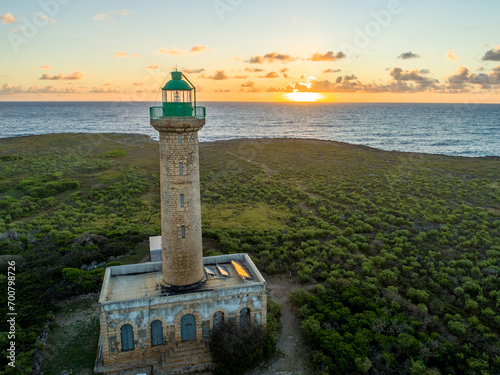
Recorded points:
45,17
219,76
240,77
350,78
193,71
153,66
271,57
7,18
400,75
331,71
492,55
8,89
121,54
451,56
270,75
46,67
196,49
409,55
401,81
248,84
102,90
181,52
283,71
251,89
253,70
277,89
35,89
75,76
464,79
171,51
110,15
223,90
328,56
423,83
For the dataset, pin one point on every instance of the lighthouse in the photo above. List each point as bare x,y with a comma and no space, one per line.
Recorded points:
157,317
178,121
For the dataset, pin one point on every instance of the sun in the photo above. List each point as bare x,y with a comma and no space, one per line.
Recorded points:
298,96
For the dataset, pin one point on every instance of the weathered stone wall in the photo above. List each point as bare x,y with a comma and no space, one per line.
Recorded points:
170,310
182,253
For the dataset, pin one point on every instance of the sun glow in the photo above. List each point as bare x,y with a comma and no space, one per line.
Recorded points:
299,96
303,96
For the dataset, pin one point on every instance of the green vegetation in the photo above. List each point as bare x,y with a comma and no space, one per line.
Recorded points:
73,338
235,349
404,249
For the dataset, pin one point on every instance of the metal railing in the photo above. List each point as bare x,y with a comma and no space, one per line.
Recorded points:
156,113
199,112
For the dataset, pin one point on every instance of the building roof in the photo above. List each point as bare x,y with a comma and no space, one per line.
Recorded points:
139,281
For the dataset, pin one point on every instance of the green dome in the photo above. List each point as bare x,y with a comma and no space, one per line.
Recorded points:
177,83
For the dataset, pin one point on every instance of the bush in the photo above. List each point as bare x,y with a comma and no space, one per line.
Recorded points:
112,154
234,349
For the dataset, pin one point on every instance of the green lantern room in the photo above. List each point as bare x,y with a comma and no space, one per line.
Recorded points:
179,99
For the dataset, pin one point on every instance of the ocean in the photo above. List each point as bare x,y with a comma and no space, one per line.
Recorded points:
451,129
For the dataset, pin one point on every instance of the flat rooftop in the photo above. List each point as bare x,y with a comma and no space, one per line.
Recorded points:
139,281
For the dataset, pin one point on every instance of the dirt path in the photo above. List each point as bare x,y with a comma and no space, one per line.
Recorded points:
266,169
292,354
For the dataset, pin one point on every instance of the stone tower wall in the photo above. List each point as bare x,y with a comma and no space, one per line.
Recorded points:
182,254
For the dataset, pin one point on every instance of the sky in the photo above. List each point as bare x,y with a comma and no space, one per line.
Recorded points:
252,50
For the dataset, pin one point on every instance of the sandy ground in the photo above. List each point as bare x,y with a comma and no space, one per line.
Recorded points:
292,353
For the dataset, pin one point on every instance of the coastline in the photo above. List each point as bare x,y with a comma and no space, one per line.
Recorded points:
97,137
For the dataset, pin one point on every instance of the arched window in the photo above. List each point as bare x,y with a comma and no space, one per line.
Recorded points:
127,333
245,318
156,333
218,320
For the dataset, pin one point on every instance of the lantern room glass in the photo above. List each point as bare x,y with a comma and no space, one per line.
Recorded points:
177,96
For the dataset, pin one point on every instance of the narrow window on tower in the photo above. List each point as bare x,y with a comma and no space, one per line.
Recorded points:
179,137
183,231
182,200
180,168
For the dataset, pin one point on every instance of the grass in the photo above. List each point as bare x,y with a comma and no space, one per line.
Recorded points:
259,216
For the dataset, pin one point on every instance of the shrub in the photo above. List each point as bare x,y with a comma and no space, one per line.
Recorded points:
457,328
112,154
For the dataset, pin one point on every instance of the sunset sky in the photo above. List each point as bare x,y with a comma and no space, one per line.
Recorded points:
252,50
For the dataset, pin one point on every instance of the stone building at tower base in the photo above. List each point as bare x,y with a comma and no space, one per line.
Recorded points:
145,329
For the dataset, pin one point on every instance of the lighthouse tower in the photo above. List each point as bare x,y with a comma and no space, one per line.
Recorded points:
178,122
157,317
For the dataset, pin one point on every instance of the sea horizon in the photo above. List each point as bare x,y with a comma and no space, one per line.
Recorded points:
455,129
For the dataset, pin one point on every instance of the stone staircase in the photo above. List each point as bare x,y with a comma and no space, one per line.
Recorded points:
188,357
